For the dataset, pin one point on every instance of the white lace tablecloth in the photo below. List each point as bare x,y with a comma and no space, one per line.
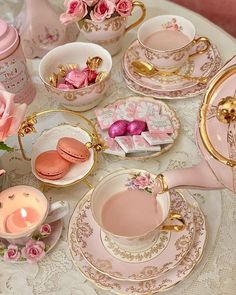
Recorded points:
56,274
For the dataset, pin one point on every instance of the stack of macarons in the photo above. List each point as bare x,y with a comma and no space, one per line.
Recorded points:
55,164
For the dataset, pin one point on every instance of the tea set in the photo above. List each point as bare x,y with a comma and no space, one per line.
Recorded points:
133,232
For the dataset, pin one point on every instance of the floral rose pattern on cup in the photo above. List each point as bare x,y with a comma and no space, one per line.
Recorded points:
172,25
141,181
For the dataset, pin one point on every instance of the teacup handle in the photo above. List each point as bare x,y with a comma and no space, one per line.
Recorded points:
174,227
142,17
199,40
57,211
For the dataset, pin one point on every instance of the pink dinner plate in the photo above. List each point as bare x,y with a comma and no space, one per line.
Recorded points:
87,234
163,282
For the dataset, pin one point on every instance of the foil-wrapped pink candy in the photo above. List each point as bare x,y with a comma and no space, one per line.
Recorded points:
118,128
136,127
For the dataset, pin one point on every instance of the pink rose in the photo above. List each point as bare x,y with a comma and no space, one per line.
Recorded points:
142,181
11,115
124,7
45,230
33,251
76,10
12,253
104,9
91,2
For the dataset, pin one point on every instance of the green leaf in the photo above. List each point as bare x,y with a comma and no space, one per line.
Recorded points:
5,147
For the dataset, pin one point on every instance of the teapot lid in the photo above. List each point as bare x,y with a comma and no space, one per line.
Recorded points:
8,39
217,121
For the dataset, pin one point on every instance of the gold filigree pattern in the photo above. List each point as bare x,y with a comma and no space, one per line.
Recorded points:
101,279
148,286
114,24
136,256
150,272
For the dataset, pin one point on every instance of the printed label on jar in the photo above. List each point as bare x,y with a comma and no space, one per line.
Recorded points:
13,75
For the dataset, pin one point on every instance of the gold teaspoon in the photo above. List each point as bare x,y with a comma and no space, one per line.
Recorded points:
145,69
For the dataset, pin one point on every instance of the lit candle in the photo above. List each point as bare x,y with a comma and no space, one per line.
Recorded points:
20,219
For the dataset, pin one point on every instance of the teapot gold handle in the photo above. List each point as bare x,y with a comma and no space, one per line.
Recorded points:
226,113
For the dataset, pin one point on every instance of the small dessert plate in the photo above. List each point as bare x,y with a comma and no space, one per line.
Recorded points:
198,66
134,107
163,282
87,235
50,241
48,141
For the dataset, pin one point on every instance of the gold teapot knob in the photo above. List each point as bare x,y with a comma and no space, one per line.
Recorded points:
226,110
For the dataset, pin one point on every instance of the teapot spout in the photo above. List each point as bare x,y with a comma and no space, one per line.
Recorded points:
198,177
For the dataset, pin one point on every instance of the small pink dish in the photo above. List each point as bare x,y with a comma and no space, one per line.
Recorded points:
72,150
50,165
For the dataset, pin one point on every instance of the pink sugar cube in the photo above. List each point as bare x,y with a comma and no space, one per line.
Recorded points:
125,110
126,143
104,117
157,139
161,124
141,144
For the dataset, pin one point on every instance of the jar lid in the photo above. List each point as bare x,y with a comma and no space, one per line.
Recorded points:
8,39
217,124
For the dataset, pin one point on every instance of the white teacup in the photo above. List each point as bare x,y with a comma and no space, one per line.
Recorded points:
171,59
23,209
117,182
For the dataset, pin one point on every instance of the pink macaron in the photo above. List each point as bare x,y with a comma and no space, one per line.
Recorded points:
50,165
72,150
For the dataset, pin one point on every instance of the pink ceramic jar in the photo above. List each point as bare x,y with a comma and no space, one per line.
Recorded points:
14,76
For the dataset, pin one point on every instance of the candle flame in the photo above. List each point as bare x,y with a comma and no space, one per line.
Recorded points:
23,213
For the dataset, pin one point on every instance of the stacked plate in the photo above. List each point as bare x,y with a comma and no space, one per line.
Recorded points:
171,87
158,267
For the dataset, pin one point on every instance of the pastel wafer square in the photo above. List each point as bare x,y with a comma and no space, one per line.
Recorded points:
105,117
126,143
161,124
141,144
125,111
141,111
113,146
157,139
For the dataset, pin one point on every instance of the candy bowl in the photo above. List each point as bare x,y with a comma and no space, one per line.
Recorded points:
72,62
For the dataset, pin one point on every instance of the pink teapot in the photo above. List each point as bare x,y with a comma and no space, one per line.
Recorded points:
215,137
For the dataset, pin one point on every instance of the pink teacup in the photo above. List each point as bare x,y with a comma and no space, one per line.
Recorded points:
23,209
126,180
168,40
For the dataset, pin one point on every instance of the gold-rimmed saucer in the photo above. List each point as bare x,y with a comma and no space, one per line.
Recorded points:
85,233
162,283
127,255
171,86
